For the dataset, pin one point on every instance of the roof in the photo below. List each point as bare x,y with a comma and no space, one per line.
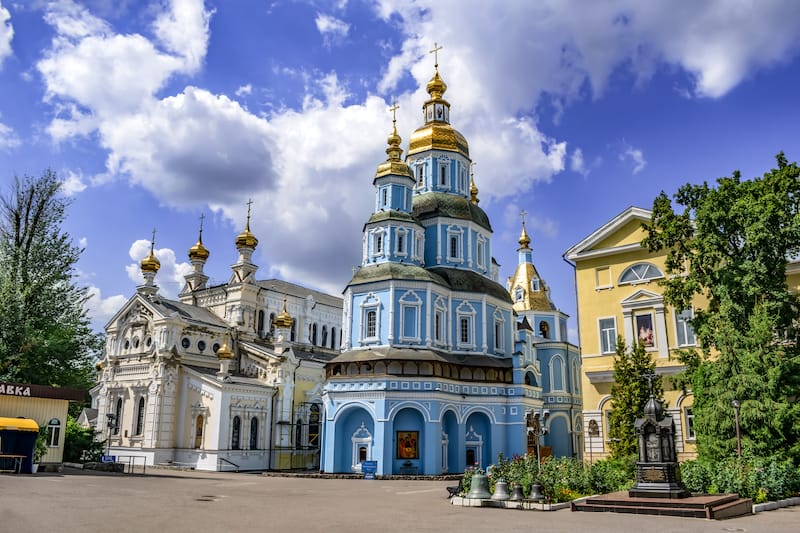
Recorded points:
191,313
439,204
421,354
469,281
293,289
18,424
41,391
584,248
383,271
391,214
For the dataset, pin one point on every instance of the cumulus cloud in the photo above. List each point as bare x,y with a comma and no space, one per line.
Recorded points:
170,277
6,34
634,156
73,184
8,139
244,90
577,164
332,29
99,309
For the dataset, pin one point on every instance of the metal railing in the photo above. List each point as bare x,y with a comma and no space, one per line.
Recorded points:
221,461
130,462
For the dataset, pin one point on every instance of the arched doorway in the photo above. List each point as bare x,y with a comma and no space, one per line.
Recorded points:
354,444
409,442
478,442
450,454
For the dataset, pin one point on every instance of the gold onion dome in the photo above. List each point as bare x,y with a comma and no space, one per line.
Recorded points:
393,164
224,352
246,239
524,240
437,133
473,192
198,251
284,320
151,262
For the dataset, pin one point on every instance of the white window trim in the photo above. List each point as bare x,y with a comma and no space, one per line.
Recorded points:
370,303
519,294
536,284
419,174
480,251
361,436
500,326
640,280
376,235
465,310
411,300
406,235
443,166
686,436
440,310
597,285
600,334
686,326
551,367
458,233
652,315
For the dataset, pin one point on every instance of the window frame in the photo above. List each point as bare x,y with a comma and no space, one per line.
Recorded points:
612,340
643,277
53,432
689,434
681,324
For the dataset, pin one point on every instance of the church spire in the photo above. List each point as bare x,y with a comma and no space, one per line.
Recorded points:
524,240
473,189
149,266
246,243
246,239
394,165
198,254
436,87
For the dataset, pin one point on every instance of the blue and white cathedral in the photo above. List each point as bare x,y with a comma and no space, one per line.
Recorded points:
439,372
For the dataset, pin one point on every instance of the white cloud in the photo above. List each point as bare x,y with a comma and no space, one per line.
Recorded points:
83,242
634,155
73,184
576,162
170,277
244,90
8,139
6,34
99,309
332,29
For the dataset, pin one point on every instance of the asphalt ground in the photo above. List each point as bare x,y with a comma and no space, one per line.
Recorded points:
172,501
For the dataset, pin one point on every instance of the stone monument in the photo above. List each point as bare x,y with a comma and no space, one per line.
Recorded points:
657,471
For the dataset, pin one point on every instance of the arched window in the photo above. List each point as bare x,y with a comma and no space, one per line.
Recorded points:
640,272
544,329
236,432
519,293
118,416
260,327
272,325
324,342
333,338
556,373
294,331
314,334
198,432
139,417
371,323
254,433
53,432
313,426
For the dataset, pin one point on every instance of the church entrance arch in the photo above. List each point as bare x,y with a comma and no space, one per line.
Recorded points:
355,430
450,454
478,441
409,442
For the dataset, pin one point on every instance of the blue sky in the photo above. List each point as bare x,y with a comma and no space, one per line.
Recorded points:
156,112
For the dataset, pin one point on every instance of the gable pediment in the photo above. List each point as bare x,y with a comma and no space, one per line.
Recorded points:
623,233
642,297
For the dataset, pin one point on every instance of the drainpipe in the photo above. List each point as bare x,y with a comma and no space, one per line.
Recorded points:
271,429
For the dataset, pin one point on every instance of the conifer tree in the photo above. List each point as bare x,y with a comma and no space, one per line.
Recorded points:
630,393
45,336
731,243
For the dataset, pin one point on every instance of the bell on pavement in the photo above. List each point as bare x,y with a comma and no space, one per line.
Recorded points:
516,493
479,487
536,492
500,491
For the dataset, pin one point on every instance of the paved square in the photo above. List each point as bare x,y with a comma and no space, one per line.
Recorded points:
223,502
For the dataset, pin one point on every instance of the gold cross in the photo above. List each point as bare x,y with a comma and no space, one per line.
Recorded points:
523,213
394,109
472,168
435,52
153,240
202,217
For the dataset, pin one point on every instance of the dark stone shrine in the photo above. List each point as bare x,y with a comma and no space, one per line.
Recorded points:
657,471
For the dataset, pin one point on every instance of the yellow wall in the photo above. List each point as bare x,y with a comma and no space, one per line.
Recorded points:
42,410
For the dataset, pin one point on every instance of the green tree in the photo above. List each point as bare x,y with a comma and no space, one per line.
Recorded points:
630,391
81,444
730,243
45,336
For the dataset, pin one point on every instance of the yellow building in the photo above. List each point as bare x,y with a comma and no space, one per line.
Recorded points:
618,293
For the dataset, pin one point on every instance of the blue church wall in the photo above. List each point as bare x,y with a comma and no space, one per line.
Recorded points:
409,441
347,425
558,436
478,441
455,442
378,301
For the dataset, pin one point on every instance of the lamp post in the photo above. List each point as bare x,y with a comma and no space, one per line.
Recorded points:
541,431
735,404
112,423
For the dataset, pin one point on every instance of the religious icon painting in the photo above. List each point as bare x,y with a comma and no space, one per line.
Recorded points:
407,444
644,329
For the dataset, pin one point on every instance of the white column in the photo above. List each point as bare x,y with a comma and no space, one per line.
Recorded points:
661,332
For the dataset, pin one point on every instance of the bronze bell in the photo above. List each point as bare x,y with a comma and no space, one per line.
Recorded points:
536,492
500,491
516,493
479,487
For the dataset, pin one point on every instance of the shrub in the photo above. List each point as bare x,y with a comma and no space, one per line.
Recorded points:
80,444
695,476
612,475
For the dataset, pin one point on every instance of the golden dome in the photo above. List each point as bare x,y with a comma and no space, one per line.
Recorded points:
440,136
436,87
245,238
284,320
524,240
394,165
151,262
473,192
198,251
98,366
224,352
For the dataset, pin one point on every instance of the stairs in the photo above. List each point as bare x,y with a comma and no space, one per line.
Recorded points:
711,506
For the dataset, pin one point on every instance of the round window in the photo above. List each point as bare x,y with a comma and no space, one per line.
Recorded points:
136,342
201,345
185,342
215,348
127,344
148,341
